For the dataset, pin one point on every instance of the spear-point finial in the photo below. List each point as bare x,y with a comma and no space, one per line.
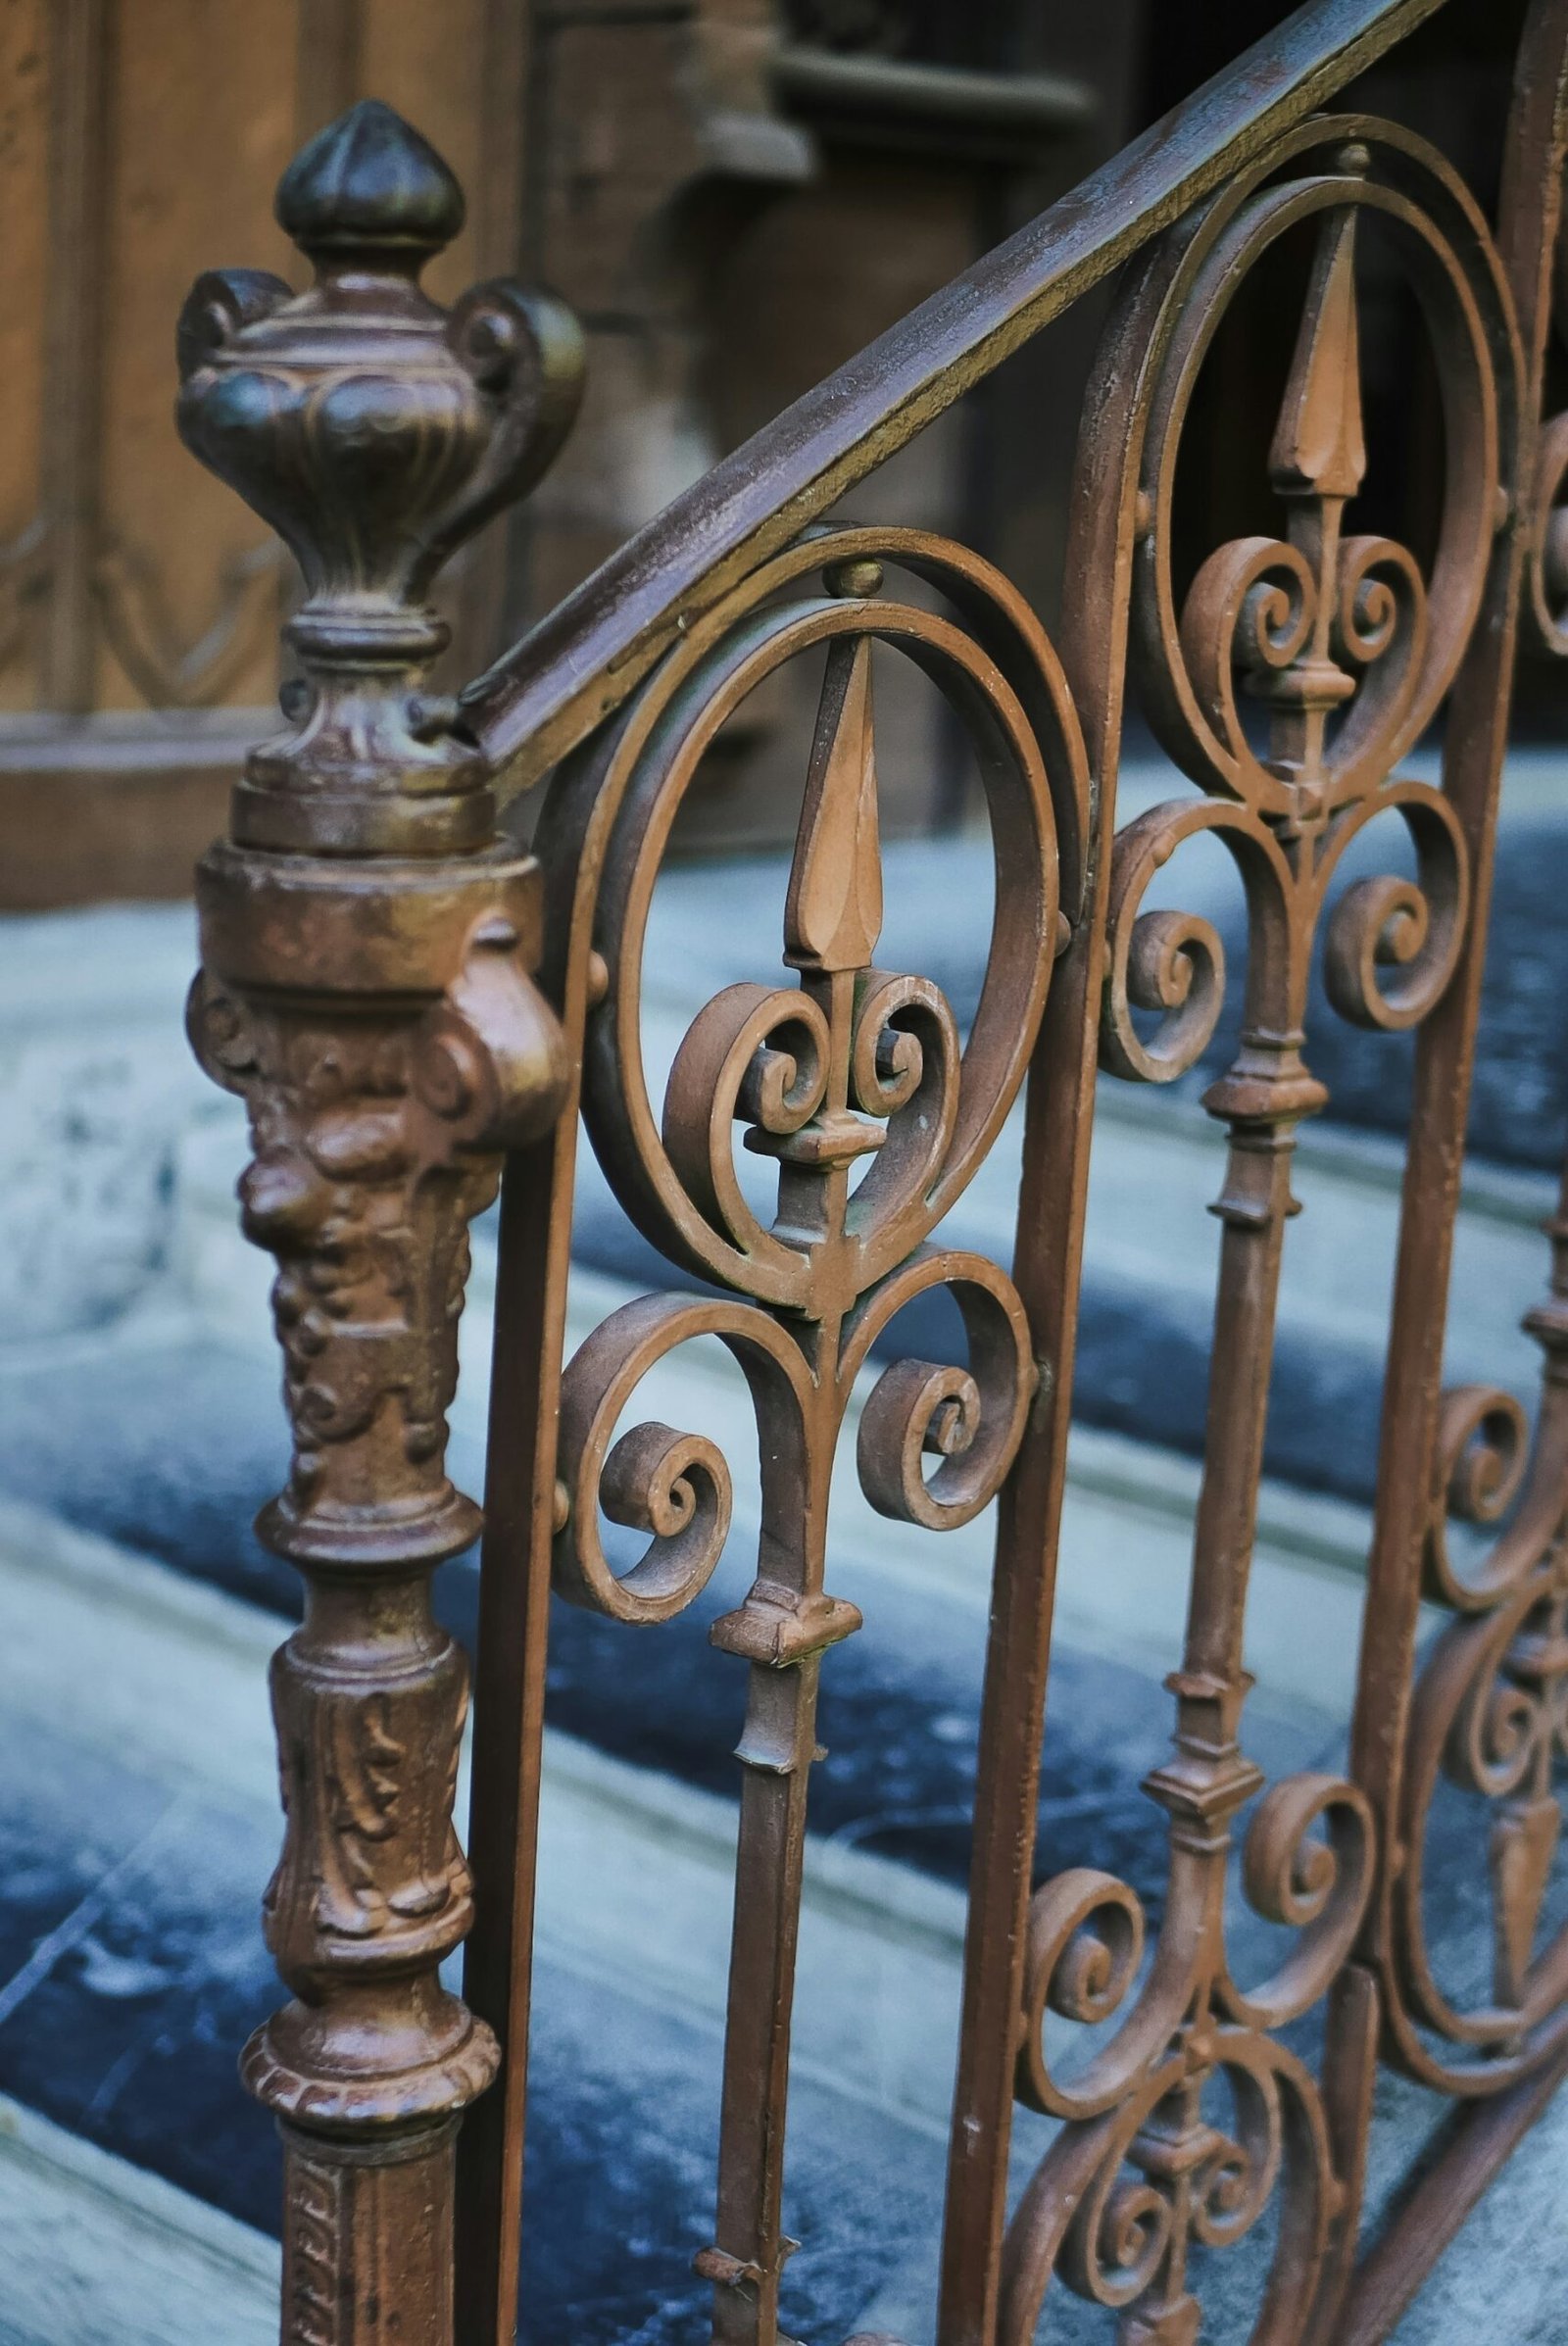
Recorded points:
833,914
1319,444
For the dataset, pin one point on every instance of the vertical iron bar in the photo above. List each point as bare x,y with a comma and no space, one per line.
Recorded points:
533,1265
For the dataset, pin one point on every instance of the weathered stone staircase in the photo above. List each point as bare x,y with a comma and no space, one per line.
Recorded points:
139,1816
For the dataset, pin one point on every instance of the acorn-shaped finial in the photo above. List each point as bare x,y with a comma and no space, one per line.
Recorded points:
369,183
375,431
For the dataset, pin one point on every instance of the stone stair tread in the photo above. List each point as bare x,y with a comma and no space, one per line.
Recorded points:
130,1965
188,1446
131,1968
99,2252
111,1112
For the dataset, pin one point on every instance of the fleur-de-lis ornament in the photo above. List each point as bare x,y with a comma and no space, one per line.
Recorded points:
1192,2114
854,1081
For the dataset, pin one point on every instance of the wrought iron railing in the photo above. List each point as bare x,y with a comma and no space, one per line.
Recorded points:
403,998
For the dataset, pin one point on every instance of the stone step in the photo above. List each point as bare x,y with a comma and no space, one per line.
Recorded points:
186,1441
139,1824
139,1393
99,2252
141,2184
118,1158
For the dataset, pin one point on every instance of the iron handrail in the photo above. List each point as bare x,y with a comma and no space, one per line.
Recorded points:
579,662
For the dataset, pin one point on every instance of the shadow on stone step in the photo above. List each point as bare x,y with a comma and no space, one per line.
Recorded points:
190,1446
131,1971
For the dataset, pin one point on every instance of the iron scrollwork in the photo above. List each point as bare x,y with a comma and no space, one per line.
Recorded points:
850,1066
368,943
1347,651
1489,1715
1489,1708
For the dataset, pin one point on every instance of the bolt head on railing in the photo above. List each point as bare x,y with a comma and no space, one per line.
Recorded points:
375,431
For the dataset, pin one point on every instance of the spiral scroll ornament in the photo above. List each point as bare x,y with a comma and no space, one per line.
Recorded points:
1549,549
856,1084
1489,1715
1338,639
1287,682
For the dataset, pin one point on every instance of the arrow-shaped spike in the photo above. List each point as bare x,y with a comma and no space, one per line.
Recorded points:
1319,444
1524,1842
833,914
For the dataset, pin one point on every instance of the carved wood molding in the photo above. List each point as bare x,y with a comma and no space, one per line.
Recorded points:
167,671
23,583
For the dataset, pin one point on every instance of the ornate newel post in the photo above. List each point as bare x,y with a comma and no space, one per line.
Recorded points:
365,945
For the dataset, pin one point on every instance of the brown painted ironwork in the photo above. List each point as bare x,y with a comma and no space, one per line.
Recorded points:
366,944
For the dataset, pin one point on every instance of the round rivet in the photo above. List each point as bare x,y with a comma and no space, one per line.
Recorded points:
597,978
856,579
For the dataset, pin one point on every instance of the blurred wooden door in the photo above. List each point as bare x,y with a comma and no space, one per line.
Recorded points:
139,605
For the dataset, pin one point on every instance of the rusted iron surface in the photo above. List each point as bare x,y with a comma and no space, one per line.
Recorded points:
849,1062
1314,624
366,948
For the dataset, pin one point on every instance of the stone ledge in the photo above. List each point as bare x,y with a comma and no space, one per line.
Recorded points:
101,2253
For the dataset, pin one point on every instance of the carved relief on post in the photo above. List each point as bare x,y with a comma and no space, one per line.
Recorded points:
367,942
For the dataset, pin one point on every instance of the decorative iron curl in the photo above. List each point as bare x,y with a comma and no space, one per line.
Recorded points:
1481,1726
1391,944
1317,1887
1483,1451
971,1419
941,1105
905,1067
756,1053
1119,2240
1381,627
1252,606
1339,636
1488,1715
1087,1931
674,1486
1084,1954
1173,963
1349,622
858,1083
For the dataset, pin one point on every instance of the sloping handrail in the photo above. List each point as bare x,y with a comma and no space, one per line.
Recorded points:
579,662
